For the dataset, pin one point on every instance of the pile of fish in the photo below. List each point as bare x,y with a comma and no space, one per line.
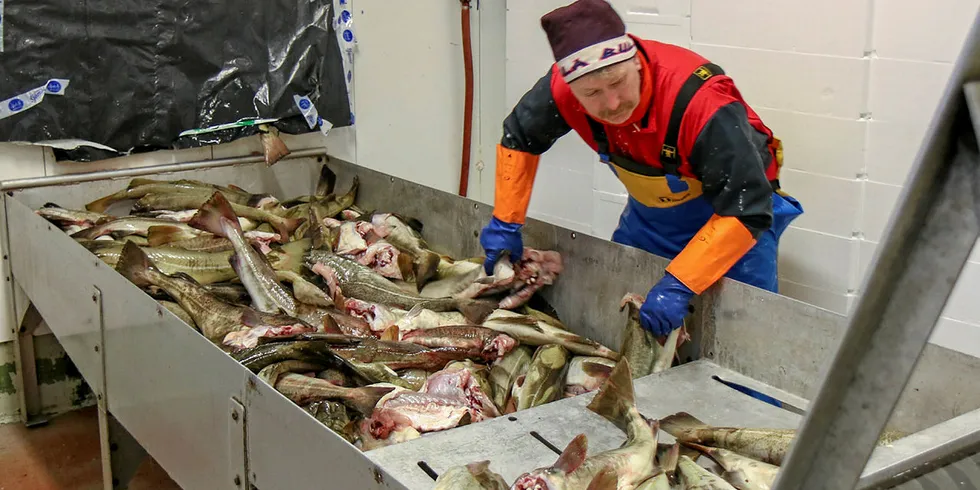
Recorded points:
350,314
736,458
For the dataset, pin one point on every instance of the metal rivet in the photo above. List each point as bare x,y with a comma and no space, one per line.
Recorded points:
99,396
159,311
378,477
476,206
392,180
318,159
234,416
113,447
4,257
95,298
573,236
238,481
10,193
96,348
512,419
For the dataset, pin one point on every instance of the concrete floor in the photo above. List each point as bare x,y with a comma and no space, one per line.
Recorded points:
64,454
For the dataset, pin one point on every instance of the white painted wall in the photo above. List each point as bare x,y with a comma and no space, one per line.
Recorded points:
850,87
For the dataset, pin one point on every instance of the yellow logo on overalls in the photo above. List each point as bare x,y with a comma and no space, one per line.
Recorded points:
668,151
703,73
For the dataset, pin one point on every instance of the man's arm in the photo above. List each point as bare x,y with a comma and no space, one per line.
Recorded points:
730,157
531,129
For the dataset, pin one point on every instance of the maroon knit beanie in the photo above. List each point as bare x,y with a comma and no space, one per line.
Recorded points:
586,36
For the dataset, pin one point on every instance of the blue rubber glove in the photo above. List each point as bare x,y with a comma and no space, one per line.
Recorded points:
499,236
666,306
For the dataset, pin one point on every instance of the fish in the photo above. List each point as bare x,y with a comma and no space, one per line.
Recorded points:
202,243
633,462
743,473
464,380
324,237
68,217
273,147
263,326
350,325
586,374
421,411
349,278
229,292
536,269
305,291
544,378
314,351
376,372
694,477
639,344
660,481
146,187
254,270
326,183
505,372
474,476
178,312
454,281
413,378
131,225
419,318
529,331
271,373
378,317
475,340
399,355
335,376
204,267
351,240
392,228
257,200
331,205
156,202
766,445
303,390
334,415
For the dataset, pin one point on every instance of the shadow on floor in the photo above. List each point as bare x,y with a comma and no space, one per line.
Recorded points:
64,454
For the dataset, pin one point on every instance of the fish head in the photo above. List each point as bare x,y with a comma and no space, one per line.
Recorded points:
543,479
500,346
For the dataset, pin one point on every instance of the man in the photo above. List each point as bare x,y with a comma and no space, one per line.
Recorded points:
700,167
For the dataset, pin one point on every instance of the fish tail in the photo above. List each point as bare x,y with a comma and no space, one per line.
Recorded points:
407,267
669,464
616,399
134,264
680,422
285,226
101,204
475,310
365,399
289,257
426,268
328,180
163,234
573,456
208,218
272,145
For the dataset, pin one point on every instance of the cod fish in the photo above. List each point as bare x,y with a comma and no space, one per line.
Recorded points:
633,462
476,341
130,225
743,473
178,312
179,201
474,476
505,372
145,187
425,262
766,445
254,270
423,412
464,380
695,477
349,278
543,381
313,351
529,331
639,346
304,389
419,318
204,267
400,355
305,291
219,321
71,217
586,374
334,415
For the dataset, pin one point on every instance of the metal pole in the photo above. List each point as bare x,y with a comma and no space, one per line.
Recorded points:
929,239
135,172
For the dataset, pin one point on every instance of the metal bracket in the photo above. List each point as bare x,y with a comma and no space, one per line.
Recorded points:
237,444
30,393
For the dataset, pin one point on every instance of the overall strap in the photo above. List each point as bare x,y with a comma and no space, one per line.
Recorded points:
669,157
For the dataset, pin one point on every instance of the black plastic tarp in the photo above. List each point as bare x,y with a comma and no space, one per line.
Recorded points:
141,72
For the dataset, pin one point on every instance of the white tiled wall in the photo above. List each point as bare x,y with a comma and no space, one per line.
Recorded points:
849,85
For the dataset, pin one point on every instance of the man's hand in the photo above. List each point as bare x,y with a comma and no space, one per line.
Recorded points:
499,236
666,306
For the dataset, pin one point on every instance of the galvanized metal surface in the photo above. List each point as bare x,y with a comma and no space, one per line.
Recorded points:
180,384
928,240
963,474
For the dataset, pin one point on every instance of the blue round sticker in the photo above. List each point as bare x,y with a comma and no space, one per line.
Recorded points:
54,86
348,35
345,16
304,104
350,76
16,105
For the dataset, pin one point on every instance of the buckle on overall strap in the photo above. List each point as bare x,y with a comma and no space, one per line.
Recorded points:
669,157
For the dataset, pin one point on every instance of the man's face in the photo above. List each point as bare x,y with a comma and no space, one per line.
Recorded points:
612,93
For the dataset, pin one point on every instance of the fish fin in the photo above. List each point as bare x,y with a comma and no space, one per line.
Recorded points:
607,479
186,277
596,370
285,226
236,188
251,318
133,264
330,326
290,256
669,464
327,182
208,218
476,311
616,397
573,456
390,334
139,181
407,267
680,422
412,223
101,204
162,235
426,268
272,144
